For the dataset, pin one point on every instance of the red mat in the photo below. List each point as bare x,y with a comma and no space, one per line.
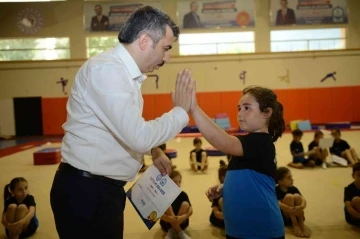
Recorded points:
21,147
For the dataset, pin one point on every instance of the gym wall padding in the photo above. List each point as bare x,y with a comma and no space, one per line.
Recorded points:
320,105
54,115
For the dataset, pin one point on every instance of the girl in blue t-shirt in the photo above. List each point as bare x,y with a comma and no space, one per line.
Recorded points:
250,206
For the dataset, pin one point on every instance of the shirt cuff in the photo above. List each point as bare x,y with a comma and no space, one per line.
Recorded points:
181,115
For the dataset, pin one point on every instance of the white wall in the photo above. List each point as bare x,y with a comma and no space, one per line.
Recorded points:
211,73
7,120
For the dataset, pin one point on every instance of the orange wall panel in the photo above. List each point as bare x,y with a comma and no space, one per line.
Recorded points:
341,104
229,103
210,102
295,103
356,106
162,104
319,105
149,107
53,115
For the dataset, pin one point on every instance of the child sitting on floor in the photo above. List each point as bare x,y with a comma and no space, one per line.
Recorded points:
342,149
19,217
352,198
216,217
320,155
297,151
176,218
291,202
198,157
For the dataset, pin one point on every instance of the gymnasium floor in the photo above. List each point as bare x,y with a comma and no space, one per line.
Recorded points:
323,190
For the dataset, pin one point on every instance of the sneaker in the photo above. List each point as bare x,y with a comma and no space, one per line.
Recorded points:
182,235
170,234
324,166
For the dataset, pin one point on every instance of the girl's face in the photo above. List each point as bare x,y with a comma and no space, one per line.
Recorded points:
20,191
177,180
287,181
250,118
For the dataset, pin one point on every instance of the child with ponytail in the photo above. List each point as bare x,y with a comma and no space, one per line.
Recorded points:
250,207
19,217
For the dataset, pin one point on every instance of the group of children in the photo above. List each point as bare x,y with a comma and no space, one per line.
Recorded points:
316,155
291,202
19,217
253,200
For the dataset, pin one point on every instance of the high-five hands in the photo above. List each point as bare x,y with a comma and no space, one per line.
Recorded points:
184,91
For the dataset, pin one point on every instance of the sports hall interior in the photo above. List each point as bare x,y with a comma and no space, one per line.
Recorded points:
33,105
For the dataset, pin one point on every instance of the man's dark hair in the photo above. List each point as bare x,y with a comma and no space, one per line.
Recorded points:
147,20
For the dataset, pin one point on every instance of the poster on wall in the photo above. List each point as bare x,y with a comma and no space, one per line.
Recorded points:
110,16
215,14
307,12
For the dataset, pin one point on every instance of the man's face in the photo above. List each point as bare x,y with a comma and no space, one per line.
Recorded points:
157,56
98,10
194,7
283,3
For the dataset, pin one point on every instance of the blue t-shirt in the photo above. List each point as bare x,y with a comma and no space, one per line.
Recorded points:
250,206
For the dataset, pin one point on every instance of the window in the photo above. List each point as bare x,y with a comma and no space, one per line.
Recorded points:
216,43
34,49
95,45
308,40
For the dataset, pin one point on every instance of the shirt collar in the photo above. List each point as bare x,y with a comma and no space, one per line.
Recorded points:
130,63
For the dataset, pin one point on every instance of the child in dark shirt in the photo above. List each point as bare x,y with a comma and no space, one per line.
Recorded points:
352,198
176,218
19,217
198,157
297,151
342,149
291,202
216,217
320,155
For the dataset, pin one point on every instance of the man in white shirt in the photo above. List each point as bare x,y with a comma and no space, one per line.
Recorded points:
105,133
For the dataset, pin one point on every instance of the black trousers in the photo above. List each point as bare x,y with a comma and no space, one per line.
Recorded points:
86,207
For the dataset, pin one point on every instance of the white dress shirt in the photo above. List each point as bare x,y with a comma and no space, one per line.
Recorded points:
105,133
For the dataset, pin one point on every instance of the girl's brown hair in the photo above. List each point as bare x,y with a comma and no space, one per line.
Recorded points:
268,99
11,187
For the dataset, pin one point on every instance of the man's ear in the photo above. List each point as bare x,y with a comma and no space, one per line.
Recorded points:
267,113
144,41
